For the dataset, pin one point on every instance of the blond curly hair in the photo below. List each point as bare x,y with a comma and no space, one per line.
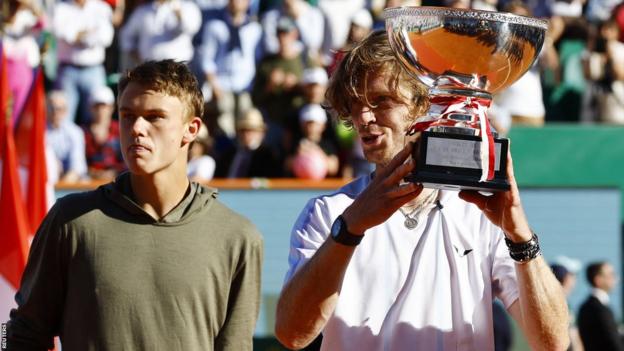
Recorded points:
372,55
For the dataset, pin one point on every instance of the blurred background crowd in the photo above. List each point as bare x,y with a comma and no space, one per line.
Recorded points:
263,66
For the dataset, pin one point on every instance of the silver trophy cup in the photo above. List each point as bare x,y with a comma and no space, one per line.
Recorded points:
463,57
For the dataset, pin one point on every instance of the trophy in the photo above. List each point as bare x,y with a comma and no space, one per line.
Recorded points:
463,57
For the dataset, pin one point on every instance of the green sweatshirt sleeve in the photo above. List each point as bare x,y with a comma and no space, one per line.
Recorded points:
243,301
40,299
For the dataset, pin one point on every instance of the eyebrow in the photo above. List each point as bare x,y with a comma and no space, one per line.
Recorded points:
154,110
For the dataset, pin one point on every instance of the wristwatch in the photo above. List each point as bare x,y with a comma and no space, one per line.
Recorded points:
340,234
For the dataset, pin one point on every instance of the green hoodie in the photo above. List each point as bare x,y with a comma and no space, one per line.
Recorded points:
104,275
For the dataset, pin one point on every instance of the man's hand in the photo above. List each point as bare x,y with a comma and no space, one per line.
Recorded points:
541,309
276,79
504,209
176,7
81,37
213,83
384,195
290,80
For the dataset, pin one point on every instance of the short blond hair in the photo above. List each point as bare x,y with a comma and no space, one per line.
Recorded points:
169,77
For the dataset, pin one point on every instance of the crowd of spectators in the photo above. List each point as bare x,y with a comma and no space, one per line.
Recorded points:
263,66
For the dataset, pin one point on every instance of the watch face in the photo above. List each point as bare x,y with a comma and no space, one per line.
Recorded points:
337,227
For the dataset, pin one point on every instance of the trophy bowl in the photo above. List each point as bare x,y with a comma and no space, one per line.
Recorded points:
463,57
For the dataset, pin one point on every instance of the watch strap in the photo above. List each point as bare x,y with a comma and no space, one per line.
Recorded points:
341,234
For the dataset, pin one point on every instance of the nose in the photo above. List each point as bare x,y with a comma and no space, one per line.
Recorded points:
138,126
363,115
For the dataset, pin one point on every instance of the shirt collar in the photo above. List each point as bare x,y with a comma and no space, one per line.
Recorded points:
601,295
175,215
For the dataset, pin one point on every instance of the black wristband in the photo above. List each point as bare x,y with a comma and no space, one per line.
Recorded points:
341,235
524,252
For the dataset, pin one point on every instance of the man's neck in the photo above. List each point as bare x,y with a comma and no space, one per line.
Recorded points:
238,18
158,194
315,138
295,9
425,195
289,52
101,124
56,123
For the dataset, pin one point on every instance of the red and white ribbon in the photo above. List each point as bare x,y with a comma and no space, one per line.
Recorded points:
472,106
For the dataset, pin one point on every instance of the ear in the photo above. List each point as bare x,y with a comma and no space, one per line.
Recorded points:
192,129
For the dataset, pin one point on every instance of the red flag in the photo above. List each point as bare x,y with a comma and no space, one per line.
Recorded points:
30,143
13,220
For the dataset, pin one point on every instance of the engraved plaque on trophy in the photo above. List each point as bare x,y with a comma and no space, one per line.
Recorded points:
463,57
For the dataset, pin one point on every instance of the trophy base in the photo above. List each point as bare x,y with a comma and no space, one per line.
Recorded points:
453,162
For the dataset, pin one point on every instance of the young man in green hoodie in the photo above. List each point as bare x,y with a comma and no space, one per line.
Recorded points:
150,261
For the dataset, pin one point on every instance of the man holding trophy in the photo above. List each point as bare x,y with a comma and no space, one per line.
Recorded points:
386,263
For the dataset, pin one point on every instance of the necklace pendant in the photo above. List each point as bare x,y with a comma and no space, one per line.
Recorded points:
410,223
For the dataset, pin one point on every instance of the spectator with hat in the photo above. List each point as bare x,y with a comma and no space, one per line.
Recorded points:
103,149
276,88
314,84
201,166
251,157
361,25
313,146
313,38
565,270
312,91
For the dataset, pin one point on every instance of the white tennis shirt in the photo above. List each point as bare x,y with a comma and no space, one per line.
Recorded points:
430,288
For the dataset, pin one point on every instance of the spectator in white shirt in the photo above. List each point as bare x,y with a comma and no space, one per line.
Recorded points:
336,13
84,30
231,47
161,29
65,139
201,166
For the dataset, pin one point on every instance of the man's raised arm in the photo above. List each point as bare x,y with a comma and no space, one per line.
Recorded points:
308,300
541,309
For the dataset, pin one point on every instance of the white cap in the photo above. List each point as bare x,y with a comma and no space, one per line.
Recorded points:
362,18
315,75
571,264
286,24
312,112
102,95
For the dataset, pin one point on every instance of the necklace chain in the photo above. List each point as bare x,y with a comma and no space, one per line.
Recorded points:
411,219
